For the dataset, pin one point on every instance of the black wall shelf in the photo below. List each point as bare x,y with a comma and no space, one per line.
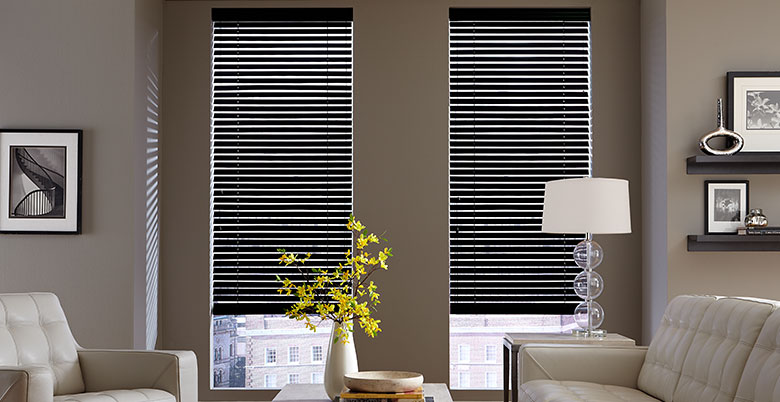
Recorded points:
733,243
747,163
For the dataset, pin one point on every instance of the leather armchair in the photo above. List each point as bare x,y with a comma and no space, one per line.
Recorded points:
41,362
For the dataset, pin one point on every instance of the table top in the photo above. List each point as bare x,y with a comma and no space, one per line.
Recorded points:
611,339
316,393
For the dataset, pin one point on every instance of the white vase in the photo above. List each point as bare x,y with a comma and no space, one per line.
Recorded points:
342,359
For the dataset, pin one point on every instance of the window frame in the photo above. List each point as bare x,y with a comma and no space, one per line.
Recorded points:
321,353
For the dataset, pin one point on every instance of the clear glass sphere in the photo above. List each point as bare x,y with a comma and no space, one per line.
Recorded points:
581,254
581,285
581,315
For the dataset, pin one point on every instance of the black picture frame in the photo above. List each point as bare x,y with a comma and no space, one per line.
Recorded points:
40,181
756,140
713,226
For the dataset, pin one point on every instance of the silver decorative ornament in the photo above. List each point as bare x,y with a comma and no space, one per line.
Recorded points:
756,219
737,142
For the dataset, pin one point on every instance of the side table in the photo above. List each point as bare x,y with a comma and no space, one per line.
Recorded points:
513,342
316,393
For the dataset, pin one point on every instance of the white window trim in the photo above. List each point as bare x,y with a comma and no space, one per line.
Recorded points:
265,357
268,377
487,355
322,354
461,375
289,353
461,348
487,383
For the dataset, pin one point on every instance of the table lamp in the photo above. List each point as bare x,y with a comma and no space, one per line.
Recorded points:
591,206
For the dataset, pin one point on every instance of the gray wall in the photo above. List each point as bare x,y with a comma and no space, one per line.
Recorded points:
698,59
70,64
401,158
654,255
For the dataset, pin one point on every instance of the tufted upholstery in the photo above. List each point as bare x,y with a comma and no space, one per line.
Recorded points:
576,391
665,356
132,395
34,332
38,353
717,355
760,380
707,349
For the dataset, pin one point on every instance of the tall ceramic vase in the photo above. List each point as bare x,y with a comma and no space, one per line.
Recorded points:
342,359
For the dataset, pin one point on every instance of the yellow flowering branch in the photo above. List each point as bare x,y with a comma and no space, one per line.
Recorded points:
343,294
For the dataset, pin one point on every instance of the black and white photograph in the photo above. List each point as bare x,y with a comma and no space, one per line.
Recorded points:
762,110
727,205
40,193
754,109
37,185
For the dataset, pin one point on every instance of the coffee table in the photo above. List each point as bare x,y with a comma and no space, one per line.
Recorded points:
513,342
316,393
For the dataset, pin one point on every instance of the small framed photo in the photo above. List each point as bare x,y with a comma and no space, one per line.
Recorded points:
40,181
754,109
726,205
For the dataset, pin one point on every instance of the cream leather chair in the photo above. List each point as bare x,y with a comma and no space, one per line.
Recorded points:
707,348
41,362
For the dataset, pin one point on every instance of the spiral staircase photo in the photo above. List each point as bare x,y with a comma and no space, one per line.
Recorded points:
48,199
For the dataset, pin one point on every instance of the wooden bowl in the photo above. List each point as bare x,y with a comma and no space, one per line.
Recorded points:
383,381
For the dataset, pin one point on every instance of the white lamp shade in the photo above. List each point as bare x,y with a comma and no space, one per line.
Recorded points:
586,205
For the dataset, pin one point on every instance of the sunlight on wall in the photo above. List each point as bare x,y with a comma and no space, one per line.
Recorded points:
152,195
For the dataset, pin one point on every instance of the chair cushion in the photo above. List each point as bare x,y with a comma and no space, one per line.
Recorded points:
760,380
720,349
666,354
121,395
577,391
34,332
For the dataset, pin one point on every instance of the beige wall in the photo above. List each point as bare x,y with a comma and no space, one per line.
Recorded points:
146,190
71,65
705,39
401,159
654,254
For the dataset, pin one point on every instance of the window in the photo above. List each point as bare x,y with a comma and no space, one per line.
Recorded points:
217,376
270,356
269,381
519,116
281,163
464,352
316,378
293,355
464,379
491,379
232,350
293,378
491,353
316,353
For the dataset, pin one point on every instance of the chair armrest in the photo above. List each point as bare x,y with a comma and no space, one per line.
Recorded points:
172,371
611,365
26,383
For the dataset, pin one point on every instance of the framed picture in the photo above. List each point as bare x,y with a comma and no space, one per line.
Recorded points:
726,205
40,181
754,109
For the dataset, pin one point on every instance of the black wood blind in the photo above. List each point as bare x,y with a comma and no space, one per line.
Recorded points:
519,117
281,154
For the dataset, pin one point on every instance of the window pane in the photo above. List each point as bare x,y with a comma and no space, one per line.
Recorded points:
485,333
267,351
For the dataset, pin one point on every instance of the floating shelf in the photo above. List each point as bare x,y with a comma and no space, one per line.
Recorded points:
734,242
747,163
